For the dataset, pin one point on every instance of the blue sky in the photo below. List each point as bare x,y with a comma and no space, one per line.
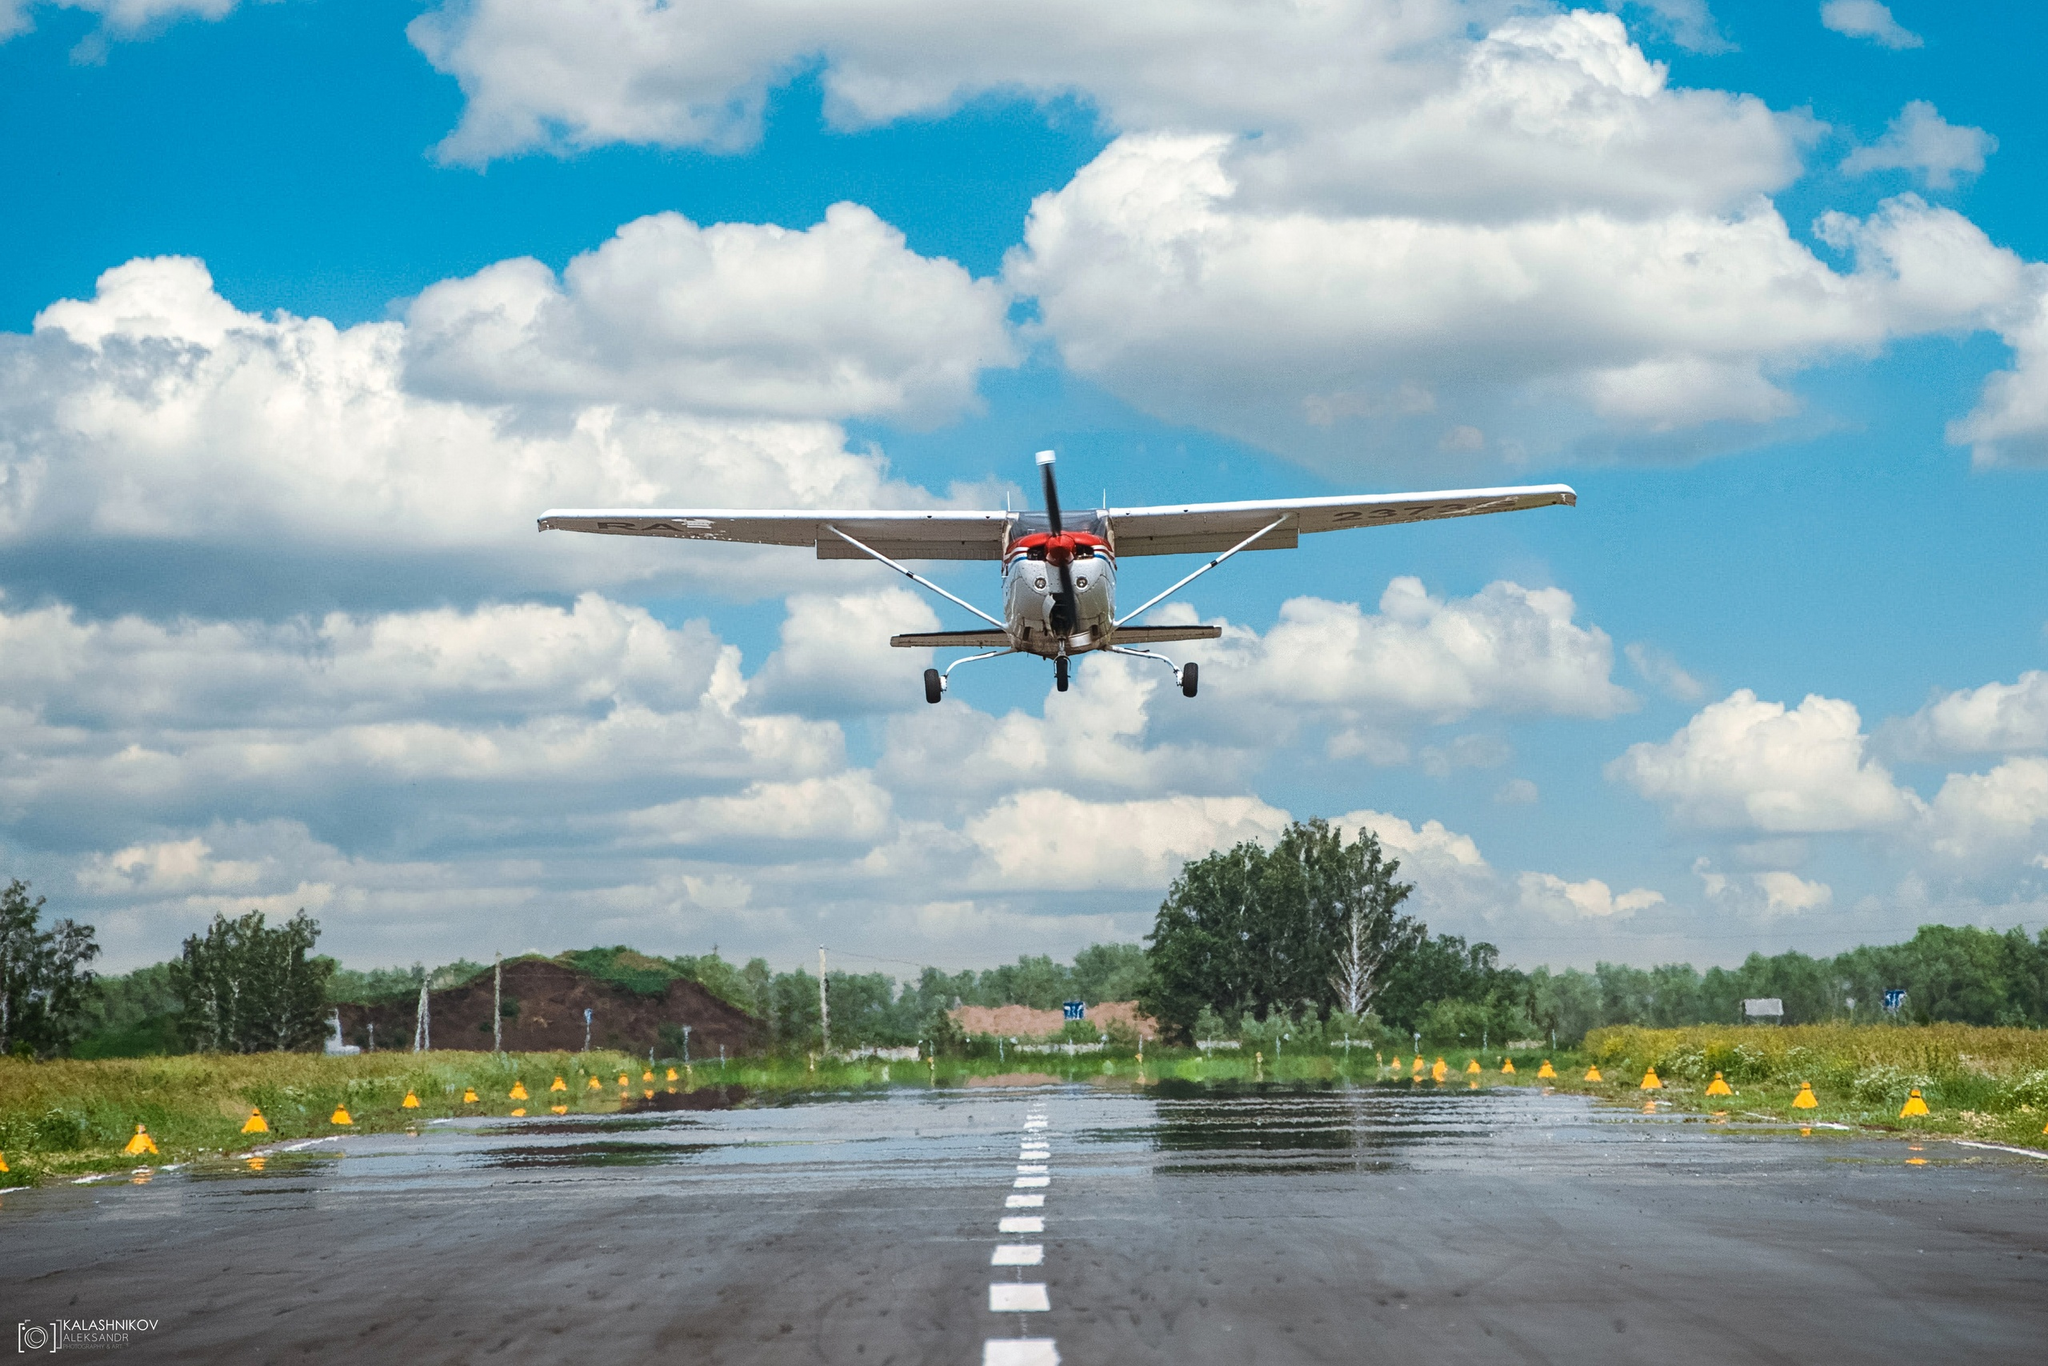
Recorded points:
1760,280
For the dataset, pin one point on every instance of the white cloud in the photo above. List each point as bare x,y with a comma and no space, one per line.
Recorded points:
835,657
1919,139
1997,718
121,18
1867,19
2009,425
1055,840
549,73
1151,268
1761,896
1747,764
158,410
1658,668
841,808
1517,792
841,320
1550,895
1423,658
1999,815
167,866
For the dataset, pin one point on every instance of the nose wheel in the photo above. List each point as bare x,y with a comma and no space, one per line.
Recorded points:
1059,673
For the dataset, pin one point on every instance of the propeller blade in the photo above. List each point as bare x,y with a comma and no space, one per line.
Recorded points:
1052,493
1068,605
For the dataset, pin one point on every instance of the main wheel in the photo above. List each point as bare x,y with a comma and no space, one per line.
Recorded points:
934,686
1190,674
1059,673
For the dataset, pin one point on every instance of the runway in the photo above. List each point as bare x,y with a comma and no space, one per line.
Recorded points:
1174,1225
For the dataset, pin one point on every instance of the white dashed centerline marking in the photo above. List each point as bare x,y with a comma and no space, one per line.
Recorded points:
1025,1183
1020,1352
1018,1254
1021,1223
1018,1297
1033,1169
1023,1202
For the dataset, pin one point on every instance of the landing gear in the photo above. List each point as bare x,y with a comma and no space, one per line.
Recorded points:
1189,675
934,686
1059,673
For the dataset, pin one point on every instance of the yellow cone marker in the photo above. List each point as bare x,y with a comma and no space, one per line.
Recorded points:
411,1101
671,1074
1546,1072
648,1075
595,1084
649,1093
1719,1086
622,1079
469,1095
1593,1074
1396,1063
340,1116
518,1091
1507,1067
1805,1100
141,1143
256,1124
559,1085
1650,1080
1440,1070
519,1113
3,1162
1472,1065
1914,1105
559,1109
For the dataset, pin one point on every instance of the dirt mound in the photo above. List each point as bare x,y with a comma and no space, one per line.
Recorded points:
544,1003
1022,1022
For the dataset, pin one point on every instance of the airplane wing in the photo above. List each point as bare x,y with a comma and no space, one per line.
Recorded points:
1203,527
933,535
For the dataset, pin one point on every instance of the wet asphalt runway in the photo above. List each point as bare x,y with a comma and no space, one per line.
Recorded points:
1178,1228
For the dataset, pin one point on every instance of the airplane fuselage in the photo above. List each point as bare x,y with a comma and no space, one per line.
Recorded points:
1032,612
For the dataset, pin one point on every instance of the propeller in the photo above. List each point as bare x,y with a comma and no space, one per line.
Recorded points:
1060,554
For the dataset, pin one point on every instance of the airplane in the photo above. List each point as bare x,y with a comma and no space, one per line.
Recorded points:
1059,586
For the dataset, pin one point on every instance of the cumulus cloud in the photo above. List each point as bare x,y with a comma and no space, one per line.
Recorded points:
119,18
1867,19
157,410
2009,425
1422,658
2001,815
835,657
1743,763
1997,718
1920,139
841,320
1550,895
1764,895
1051,839
1149,270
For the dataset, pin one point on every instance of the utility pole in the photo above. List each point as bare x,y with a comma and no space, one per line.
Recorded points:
498,1003
824,1016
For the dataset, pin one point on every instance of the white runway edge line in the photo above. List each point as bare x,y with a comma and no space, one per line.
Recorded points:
1017,1297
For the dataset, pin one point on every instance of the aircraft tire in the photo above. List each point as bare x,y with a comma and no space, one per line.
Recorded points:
1190,675
1059,673
934,687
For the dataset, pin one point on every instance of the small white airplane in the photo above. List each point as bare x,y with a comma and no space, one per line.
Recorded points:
1059,586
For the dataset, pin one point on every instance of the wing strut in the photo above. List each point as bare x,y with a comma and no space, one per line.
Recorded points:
921,580
1197,574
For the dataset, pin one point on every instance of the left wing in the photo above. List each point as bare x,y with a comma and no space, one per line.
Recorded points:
939,535
1203,527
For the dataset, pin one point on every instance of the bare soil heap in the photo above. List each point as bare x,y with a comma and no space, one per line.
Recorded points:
543,1005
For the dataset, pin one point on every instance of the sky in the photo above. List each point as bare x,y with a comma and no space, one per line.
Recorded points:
313,305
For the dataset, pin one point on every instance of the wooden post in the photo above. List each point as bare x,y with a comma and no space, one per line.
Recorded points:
824,1015
498,1003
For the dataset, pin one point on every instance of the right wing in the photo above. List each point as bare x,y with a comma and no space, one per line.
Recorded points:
1160,635
1204,527
948,640
936,535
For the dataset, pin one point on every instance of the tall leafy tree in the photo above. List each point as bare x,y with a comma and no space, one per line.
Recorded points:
45,986
250,987
1249,931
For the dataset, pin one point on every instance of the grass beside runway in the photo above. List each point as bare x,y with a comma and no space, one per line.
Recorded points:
72,1117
